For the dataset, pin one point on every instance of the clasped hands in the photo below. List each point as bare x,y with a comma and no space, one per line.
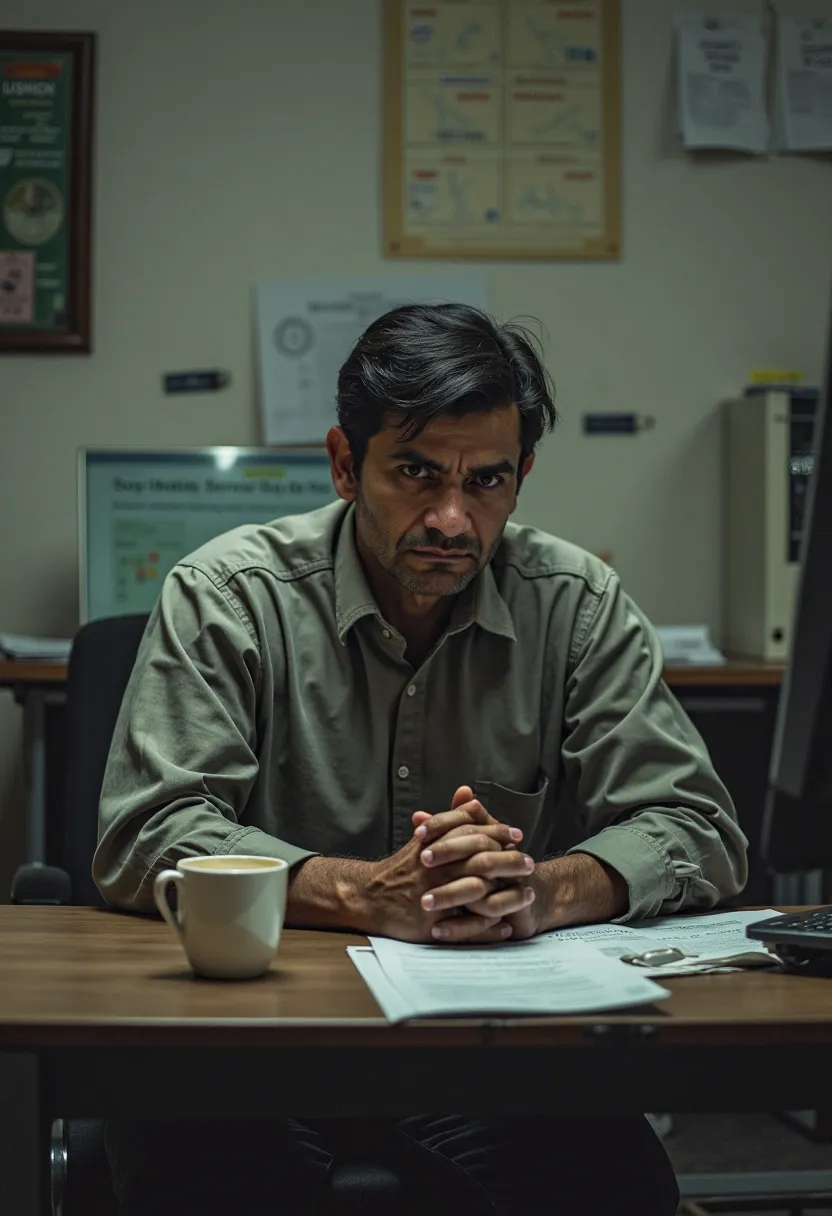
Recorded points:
462,878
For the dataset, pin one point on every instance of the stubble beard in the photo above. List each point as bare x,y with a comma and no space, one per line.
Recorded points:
425,584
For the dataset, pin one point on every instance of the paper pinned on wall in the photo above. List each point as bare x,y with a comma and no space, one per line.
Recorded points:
720,81
306,328
803,92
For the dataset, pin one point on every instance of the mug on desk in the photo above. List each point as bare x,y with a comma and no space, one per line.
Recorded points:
230,912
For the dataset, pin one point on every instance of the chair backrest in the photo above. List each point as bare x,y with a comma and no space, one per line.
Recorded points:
103,654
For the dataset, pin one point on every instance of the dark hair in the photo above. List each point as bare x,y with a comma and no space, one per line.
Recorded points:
425,359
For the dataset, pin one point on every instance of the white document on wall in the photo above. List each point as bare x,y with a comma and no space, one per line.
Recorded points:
530,977
803,93
306,328
721,82
717,935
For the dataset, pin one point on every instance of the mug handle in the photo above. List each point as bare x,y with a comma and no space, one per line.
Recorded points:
160,895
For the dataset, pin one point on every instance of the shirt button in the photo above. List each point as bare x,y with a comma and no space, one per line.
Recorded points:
385,633
411,692
403,771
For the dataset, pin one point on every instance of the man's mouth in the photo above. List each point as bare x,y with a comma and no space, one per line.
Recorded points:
443,555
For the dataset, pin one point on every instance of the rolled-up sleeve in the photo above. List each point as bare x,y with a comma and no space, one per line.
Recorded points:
654,807
183,759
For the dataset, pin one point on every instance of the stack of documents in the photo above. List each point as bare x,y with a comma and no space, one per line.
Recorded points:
567,971
540,976
28,649
689,644
715,942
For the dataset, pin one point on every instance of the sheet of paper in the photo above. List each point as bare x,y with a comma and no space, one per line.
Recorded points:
803,95
708,937
512,978
306,328
394,1007
721,79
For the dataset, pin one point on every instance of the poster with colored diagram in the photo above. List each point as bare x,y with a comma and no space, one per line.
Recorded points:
143,552
502,129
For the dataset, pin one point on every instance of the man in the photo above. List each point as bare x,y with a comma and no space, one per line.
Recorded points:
394,694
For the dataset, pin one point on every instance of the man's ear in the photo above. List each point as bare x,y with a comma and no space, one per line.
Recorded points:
528,465
341,464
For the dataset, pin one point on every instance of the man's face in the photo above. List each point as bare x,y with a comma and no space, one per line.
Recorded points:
431,510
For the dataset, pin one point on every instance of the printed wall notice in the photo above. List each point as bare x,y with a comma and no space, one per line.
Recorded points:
721,83
803,106
306,328
502,132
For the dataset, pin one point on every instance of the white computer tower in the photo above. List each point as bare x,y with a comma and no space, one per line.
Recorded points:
767,463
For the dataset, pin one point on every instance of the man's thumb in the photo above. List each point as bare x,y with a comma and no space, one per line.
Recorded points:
464,794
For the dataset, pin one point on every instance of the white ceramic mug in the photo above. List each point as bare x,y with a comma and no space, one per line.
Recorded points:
230,912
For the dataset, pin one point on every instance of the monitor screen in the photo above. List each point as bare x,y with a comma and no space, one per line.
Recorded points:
798,820
141,511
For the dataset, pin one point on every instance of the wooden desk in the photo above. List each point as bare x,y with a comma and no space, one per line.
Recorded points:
99,1015
14,674
735,673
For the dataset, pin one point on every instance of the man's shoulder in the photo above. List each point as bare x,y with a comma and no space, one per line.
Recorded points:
531,553
288,548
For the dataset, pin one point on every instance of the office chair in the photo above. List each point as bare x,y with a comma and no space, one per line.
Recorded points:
377,1169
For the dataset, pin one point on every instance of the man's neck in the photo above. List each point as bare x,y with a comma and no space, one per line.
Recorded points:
419,619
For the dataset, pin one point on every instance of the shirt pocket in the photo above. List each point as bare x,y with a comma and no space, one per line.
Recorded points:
517,809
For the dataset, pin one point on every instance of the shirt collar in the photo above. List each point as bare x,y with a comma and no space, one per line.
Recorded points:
479,603
353,597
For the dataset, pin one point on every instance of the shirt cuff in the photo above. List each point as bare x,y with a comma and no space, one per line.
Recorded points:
257,843
641,862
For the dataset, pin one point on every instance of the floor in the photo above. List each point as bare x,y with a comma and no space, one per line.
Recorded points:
723,1144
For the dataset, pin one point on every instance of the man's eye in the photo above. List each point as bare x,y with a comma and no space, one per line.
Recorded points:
489,481
416,472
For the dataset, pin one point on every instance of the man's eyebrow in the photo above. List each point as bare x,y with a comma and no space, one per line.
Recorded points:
412,456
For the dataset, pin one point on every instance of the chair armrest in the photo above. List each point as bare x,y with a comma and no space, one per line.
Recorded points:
39,884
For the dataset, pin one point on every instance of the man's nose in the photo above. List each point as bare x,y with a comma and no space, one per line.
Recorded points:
448,514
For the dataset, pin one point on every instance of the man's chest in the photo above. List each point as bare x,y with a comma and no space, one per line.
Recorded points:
353,746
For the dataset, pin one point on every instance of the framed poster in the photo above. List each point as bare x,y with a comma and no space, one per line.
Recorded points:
502,129
46,102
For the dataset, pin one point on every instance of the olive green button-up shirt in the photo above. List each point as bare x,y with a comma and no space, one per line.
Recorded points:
271,711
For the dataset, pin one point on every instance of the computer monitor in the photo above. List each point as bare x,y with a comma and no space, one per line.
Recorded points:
797,828
141,511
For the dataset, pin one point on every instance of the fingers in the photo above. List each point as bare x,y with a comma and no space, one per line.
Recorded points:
475,929
504,903
463,794
464,888
462,891
502,835
438,825
485,843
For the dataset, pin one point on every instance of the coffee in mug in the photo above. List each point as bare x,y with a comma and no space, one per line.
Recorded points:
230,912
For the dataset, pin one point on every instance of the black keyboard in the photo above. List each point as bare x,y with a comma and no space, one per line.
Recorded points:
802,940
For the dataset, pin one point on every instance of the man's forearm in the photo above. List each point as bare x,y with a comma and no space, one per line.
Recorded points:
328,893
578,890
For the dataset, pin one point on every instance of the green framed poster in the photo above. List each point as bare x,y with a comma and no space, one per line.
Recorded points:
46,103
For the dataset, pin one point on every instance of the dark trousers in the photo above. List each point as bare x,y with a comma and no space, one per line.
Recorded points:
571,1166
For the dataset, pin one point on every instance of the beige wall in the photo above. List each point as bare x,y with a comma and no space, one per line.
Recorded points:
239,139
